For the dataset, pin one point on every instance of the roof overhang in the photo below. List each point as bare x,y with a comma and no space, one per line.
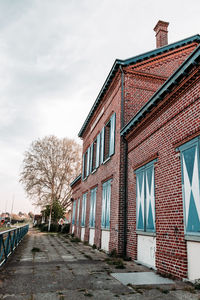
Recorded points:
131,61
75,180
166,88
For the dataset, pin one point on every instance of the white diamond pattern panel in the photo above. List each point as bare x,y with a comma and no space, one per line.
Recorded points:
191,185
195,184
140,198
150,195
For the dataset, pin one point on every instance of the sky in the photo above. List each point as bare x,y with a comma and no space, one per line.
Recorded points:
54,58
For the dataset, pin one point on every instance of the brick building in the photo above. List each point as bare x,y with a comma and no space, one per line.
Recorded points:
139,188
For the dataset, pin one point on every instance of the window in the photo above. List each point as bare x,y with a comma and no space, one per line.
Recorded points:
145,198
86,164
190,185
107,132
83,215
92,207
93,156
108,139
106,196
74,211
78,208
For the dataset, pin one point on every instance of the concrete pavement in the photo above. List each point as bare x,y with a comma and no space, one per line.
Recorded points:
50,266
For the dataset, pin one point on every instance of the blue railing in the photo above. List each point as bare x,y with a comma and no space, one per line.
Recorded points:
9,240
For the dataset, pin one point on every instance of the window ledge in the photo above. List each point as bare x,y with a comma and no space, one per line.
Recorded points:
146,233
194,238
107,159
94,171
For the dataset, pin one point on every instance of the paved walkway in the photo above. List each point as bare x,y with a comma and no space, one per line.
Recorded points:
47,266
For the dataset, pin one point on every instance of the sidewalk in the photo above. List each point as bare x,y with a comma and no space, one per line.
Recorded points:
48,267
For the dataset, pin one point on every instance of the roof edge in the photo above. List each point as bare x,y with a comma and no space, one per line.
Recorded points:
166,88
129,61
75,180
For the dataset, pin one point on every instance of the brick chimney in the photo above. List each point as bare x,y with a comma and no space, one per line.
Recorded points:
161,33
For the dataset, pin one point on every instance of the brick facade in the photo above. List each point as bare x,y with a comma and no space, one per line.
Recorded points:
131,86
157,137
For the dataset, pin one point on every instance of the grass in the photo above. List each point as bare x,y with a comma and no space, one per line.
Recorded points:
75,240
117,262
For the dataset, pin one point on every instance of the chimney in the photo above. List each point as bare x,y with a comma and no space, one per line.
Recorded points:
161,33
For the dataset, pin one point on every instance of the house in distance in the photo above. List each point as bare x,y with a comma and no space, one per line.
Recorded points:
139,189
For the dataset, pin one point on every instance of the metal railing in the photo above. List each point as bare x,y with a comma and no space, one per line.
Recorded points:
9,240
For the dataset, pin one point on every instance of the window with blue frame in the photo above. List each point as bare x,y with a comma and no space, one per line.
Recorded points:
93,206
78,208
83,213
145,198
108,139
190,185
101,149
106,197
74,212
94,154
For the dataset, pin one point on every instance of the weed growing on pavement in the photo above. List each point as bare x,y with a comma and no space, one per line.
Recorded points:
117,262
75,240
35,249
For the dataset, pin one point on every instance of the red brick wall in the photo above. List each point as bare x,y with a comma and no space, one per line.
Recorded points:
143,79
177,121
111,169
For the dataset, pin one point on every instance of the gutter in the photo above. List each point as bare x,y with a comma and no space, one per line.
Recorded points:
75,180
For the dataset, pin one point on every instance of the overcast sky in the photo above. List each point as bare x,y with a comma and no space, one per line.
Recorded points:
54,58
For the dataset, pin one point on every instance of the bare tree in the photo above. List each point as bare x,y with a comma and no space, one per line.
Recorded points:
49,166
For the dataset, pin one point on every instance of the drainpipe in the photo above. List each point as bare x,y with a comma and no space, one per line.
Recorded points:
125,193
125,149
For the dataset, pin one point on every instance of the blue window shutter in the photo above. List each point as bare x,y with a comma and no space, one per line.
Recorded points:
102,144
108,197
190,184
91,157
94,206
88,161
91,207
74,211
83,167
78,208
85,208
150,199
140,199
98,150
112,135
103,211
83,215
